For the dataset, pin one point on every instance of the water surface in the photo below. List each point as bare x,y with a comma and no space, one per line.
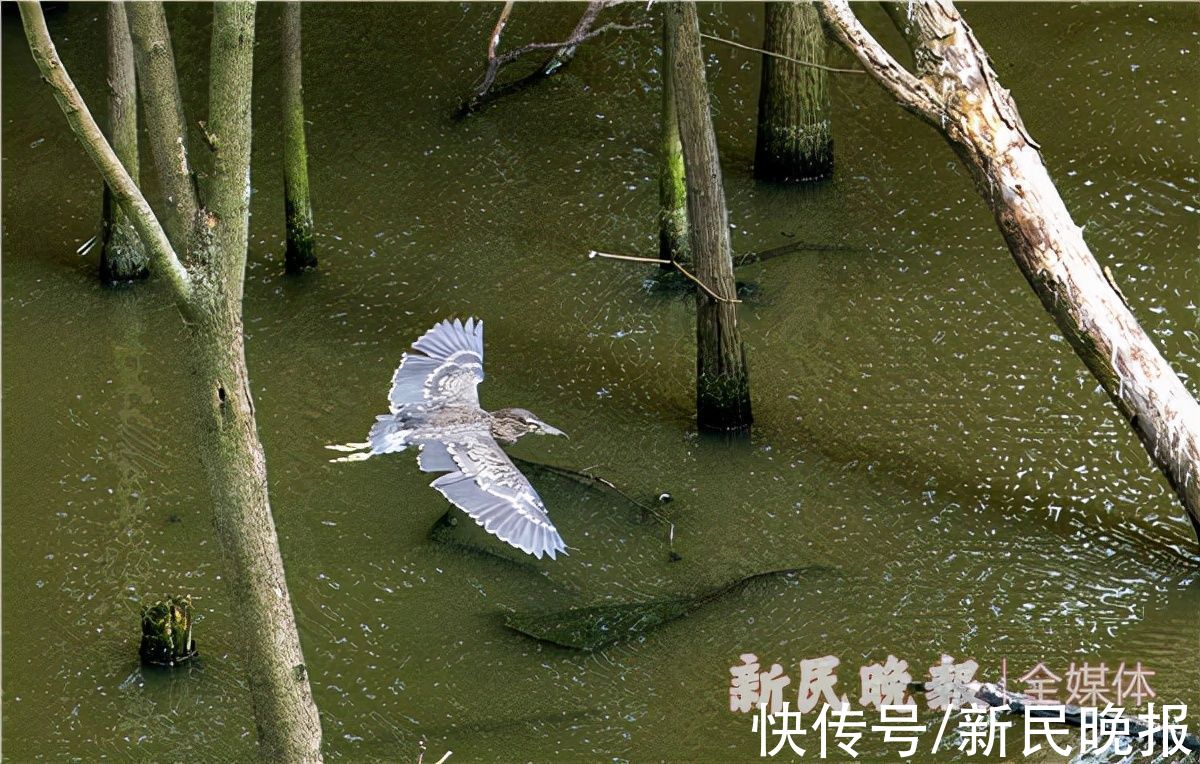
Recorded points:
921,426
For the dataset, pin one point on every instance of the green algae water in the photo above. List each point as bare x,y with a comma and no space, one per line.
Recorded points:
922,430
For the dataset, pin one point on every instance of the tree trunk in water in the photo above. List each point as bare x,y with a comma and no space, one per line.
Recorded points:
794,138
722,381
956,90
672,188
299,255
285,714
209,294
286,719
162,108
122,256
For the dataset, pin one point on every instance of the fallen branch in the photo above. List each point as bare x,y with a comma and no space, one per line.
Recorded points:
594,254
954,88
487,91
812,64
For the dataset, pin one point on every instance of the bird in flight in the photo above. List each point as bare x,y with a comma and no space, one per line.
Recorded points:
434,405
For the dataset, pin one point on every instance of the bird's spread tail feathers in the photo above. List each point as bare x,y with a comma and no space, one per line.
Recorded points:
355,452
388,434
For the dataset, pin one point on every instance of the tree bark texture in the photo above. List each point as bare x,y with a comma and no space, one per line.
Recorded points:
162,108
672,188
122,256
209,293
956,91
722,380
795,142
299,254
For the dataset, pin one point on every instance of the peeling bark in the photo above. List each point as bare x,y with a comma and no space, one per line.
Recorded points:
956,91
722,380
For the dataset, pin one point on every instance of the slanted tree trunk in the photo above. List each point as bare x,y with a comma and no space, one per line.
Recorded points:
722,380
672,188
299,254
956,91
208,291
794,137
122,257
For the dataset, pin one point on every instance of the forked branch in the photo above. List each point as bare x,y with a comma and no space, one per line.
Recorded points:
80,119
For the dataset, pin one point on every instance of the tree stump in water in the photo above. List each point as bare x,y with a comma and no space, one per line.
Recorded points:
167,632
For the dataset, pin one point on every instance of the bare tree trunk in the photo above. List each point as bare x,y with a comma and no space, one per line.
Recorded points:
122,257
297,204
672,188
209,293
956,91
162,107
722,380
794,137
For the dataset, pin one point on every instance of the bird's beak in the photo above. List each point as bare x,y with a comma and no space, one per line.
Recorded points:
546,429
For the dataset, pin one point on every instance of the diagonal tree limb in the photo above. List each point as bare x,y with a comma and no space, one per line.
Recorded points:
101,153
955,89
162,107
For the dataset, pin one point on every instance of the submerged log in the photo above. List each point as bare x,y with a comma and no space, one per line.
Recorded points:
955,89
167,632
600,626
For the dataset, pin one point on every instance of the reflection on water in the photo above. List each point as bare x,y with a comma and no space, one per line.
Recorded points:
922,428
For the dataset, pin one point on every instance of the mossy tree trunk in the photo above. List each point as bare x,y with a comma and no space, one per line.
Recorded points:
122,257
300,254
672,188
955,90
795,142
208,291
722,380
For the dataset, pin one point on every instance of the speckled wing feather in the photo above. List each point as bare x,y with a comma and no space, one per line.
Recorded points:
444,369
487,486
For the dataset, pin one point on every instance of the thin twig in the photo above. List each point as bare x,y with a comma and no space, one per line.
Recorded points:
702,285
494,40
679,267
516,53
631,258
822,67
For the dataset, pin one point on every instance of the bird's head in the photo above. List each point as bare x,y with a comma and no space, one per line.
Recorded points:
520,422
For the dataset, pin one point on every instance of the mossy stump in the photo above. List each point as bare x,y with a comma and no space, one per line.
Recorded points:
167,632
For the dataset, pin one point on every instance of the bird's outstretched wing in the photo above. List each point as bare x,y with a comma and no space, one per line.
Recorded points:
444,369
484,483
